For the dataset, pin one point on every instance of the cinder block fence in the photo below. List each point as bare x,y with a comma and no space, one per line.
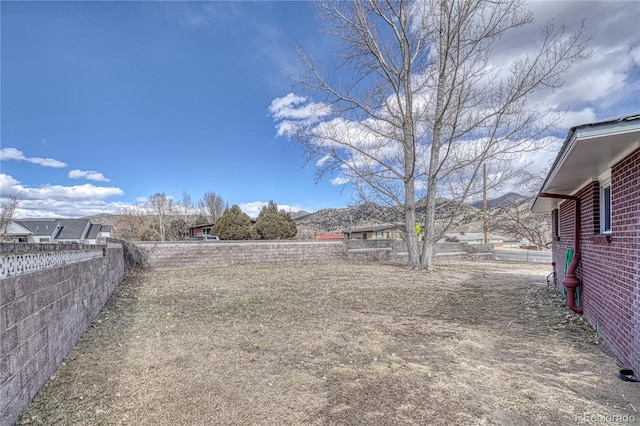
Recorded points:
197,254
49,294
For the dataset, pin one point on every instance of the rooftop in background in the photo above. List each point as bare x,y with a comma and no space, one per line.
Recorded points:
56,231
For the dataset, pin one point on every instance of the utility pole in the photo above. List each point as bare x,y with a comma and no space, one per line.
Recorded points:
484,203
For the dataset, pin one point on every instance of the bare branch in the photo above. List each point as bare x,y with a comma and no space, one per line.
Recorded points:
7,210
418,105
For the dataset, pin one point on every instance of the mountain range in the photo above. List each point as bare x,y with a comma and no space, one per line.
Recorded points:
469,216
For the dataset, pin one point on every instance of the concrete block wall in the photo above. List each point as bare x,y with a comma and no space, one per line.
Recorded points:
396,251
43,314
197,254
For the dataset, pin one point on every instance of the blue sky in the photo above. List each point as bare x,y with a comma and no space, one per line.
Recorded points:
106,103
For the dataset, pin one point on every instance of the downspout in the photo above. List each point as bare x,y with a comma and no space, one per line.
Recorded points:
571,282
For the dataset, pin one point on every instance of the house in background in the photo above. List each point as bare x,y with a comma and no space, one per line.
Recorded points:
63,231
378,232
14,232
593,194
38,231
472,238
73,230
200,230
329,236
98,233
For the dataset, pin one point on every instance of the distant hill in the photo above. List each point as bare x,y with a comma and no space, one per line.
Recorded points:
336,220
103,219
506,200
299,213
468,218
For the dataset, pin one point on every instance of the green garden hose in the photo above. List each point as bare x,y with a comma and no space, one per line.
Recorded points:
568,260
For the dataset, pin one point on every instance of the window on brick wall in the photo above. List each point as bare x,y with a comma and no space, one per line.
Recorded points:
555,220
605,203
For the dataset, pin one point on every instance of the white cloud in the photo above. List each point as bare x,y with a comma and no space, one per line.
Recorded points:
323,160
59,200
11,154
576,118
7,154
253,208
293,112
7,183
340,180
35,209
286,128
279,105
67,193
606,82
87,174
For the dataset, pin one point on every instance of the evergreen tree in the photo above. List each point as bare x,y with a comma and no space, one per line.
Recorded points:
234,224
273,224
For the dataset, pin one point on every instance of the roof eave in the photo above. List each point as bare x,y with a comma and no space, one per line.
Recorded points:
588,151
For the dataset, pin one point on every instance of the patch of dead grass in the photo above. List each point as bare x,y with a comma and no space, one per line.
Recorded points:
475,343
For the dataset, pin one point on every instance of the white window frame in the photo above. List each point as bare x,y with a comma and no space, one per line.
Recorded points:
605,203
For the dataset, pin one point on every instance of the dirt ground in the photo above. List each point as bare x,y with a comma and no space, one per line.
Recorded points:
338,344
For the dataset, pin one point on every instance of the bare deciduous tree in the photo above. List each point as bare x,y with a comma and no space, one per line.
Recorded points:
131,223
187,205
212,205
516,217
418,104
161,206
7,210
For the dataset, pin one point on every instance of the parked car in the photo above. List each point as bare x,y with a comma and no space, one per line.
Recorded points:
205,238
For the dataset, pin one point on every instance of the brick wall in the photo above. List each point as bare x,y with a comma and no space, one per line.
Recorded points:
610,266
196,254
42,315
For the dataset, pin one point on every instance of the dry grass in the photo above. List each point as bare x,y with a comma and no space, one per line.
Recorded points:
473,343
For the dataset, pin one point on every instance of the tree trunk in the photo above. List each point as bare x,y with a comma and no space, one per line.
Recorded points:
409,147
428,247
430,220
410,226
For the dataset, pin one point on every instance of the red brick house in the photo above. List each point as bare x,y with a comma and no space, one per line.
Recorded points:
329,236
593,194
200,230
